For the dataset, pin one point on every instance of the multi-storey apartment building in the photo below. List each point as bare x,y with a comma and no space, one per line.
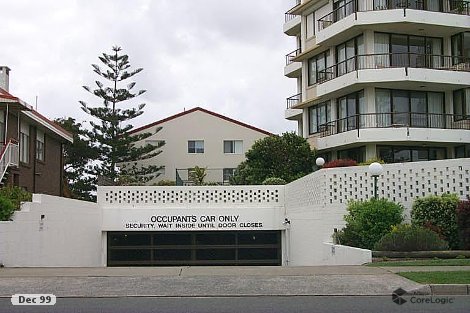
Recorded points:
381,78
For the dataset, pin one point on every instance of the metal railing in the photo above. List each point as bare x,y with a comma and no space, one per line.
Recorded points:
9,157
395,120
291,55
353,6
394,60
294,100
288,16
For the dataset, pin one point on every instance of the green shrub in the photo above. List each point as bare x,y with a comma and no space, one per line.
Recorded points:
16,195
373,160
166,182
368,221
463,223
438,213
274,181
406,237
7,208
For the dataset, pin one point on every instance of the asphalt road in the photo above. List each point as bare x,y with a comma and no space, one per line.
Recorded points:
263,304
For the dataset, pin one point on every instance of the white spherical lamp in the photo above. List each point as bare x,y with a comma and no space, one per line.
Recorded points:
320,162
375,169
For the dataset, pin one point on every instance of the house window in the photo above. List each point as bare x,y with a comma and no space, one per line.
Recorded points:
395,154
2,126
461,104
233,146
196,146
24,143
317,66
40,145
409,108
228,173
318,116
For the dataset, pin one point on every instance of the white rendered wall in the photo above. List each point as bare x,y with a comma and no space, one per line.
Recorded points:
199,125
316,203
68,235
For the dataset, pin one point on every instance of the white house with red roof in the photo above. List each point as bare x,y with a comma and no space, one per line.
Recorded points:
199,137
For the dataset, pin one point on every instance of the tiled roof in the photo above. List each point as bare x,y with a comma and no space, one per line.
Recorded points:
6,97
205,111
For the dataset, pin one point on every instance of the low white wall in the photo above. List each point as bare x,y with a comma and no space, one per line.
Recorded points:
316,203
68,235
344,255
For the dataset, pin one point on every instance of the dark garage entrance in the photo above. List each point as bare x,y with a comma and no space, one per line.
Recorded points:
194,248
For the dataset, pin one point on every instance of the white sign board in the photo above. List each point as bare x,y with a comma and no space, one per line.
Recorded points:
191,219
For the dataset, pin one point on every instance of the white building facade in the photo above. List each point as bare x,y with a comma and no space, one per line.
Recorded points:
379,78
199,137
289,225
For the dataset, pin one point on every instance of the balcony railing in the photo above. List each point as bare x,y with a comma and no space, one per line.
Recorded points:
394,60
353,6
395,120
294,100
291,55
288,16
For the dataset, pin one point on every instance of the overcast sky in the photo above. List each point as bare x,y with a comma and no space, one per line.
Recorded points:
225,56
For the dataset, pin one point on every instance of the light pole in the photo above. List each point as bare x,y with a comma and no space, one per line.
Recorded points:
375,169
320,162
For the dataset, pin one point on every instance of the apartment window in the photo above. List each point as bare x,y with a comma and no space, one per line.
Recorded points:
227,174
356,154
317,66
409,108
24,143
346,53
319,115
461,101
233,146
460,47
462,151
398,154
196,146
395,50
349,109
310,25
40,145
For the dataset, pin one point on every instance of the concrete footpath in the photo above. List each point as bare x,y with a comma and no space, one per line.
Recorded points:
214,281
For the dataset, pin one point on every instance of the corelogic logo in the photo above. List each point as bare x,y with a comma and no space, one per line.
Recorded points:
397,296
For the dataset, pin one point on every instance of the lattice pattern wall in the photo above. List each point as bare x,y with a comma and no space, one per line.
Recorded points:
192,196
401,182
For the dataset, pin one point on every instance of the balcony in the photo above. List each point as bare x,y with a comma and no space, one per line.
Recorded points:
354,6
394,60
292,22
395,120
293,69
292,101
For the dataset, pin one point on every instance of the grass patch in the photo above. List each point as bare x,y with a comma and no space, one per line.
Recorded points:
427,262
458,277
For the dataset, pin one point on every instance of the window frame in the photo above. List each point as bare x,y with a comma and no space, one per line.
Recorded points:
464,106
195,149
410,150
327,106
325,55
40,146
233,146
